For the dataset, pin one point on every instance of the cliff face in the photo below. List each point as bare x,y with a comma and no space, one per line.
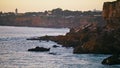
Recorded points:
111,13
107,40
47,21
52,18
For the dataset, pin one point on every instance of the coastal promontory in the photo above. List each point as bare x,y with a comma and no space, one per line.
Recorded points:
92,37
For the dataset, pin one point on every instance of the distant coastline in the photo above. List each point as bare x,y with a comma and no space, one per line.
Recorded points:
56,18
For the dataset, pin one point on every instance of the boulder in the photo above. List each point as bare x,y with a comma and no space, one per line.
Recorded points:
37,49
112,60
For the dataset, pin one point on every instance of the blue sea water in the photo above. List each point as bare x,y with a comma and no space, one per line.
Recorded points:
14,54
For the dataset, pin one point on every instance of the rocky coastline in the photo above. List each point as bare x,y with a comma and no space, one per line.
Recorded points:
92,38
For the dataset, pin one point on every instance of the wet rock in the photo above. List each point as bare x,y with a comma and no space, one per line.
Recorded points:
55,46
32,39
112,60
37,49
43,38
53,53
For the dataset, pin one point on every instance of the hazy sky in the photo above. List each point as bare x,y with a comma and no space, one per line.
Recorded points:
42,5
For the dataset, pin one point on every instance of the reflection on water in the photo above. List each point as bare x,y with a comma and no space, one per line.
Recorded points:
14,54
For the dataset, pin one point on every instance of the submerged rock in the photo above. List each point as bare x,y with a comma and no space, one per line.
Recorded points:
42,49
112,60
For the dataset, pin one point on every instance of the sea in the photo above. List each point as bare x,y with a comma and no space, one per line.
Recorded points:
14,50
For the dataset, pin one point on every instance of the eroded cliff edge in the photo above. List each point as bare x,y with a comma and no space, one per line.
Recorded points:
111,13
92,38
105,39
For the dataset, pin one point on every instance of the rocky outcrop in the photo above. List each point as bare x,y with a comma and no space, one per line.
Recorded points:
111,13
105,40
55,46
88,40
39,49
112,60
92,38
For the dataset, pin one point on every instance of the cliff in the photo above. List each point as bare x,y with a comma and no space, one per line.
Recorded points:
92,38
111,13
106,40
54,18
49,21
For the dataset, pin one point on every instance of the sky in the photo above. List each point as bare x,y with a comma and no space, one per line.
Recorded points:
42,5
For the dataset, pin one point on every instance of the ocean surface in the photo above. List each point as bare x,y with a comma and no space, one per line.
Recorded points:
14,54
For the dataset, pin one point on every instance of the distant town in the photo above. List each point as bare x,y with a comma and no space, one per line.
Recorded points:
54,18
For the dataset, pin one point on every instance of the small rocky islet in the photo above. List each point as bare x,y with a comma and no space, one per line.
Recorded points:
94,38
39,49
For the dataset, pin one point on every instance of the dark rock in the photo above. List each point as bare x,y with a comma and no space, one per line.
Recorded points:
39,49
53,53
112,60
43,38
55,46
32,38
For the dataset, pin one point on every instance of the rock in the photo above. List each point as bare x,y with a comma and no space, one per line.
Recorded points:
53,53
112,60
111,13
37,49
44,38
32,39
55,46
107,40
